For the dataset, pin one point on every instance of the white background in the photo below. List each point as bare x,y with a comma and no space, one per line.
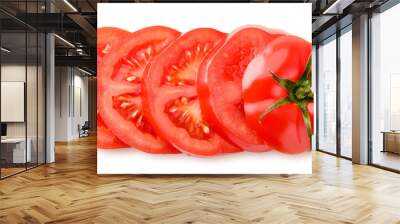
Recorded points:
291,18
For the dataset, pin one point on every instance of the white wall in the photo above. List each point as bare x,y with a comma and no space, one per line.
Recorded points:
62,82
70,83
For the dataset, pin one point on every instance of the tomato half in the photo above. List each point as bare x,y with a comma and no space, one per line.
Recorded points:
278,100
170,95
107,39
120,77
105,138
220,85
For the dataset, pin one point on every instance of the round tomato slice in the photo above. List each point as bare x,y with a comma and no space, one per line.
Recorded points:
105,138
107,39
120,77
220,85
170,95
278,100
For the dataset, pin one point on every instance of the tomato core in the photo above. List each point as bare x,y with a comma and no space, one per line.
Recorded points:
185,112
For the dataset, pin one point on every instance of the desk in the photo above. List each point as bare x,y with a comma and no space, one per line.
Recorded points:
15,148
391,141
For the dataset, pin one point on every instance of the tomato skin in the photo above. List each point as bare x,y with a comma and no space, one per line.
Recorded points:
157,95
105,138
108,38
112,85
283,128
219,85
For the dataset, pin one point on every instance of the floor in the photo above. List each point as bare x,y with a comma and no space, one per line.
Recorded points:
70,191
5,172
387,159
10,171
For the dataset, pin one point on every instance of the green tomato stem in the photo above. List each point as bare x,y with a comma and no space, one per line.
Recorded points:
299,93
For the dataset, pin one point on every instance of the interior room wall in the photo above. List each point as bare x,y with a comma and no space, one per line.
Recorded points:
16,72
62,113
69,112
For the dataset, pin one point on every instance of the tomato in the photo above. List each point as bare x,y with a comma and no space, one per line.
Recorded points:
120,77
108,38
220,90
105,138
278,100
170,95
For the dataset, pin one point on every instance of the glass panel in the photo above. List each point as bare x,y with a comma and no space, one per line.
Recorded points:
23,86
31,98
31,88
327,96
13,77
385,84
346,94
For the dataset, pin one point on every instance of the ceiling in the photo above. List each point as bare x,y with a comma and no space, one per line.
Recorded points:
76,21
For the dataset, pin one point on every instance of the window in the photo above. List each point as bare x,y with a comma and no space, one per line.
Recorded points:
346,92
385,89
327,95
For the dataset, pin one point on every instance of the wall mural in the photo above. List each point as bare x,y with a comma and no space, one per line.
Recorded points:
204,88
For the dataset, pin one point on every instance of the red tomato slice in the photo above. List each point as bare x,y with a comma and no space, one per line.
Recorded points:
120,77
278,100
105,138
170,95
220,90
108,38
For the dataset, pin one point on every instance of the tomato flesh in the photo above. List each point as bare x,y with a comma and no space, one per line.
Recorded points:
284,126
170,95
105,138
120,77
220,85
108,38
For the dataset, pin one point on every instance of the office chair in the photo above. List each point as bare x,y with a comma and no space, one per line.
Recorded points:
84,130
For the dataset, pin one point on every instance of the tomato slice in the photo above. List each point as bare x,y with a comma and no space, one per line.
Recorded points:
105,138
170,95
120,77
220,80
107,39
278,100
